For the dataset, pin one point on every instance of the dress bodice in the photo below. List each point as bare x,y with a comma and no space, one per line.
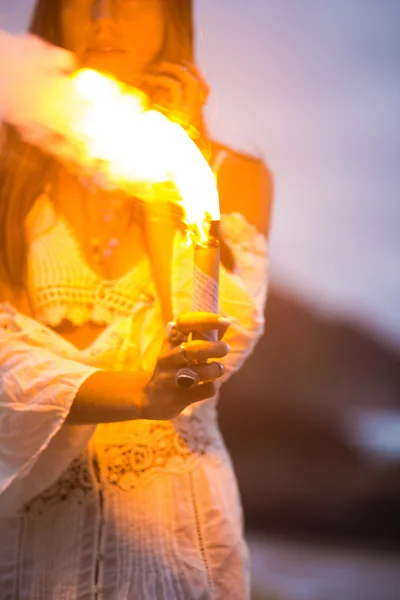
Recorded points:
62,285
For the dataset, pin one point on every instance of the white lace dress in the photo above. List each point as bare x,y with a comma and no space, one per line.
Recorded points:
141,510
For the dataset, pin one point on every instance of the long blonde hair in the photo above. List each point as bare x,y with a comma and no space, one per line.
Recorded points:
25,170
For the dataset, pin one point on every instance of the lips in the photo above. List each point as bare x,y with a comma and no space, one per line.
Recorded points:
104,50
107,58
104,58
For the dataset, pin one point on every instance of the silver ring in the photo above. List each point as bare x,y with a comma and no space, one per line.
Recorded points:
186,378
170,329
174,336
221,369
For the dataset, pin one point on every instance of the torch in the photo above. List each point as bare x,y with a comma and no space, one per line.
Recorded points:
198,190
205,291
107,126
142,149
206,276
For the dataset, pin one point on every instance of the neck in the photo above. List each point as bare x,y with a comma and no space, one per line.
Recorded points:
72,186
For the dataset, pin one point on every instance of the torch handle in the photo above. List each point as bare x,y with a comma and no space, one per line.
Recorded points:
205,297
206,286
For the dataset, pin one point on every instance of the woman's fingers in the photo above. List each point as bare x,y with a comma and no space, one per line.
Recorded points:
205,373
172,88
189,77
201,321
167,406
196,350
174,336
198,393
182,90
208,371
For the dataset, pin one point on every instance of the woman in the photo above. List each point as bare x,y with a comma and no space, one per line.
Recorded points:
114,481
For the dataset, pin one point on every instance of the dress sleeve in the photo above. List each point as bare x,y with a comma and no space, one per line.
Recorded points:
39,379
242,293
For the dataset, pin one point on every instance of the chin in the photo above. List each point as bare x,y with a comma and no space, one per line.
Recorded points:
111,63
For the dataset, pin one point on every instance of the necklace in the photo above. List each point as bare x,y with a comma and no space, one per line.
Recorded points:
109,217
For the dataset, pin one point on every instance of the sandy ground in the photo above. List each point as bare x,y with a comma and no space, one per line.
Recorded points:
290,570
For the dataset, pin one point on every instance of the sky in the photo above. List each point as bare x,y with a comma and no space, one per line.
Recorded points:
314,88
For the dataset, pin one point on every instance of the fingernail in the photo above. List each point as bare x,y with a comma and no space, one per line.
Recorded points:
224,321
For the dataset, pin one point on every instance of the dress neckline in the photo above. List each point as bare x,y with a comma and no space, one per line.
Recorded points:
60,218
80,253
57,265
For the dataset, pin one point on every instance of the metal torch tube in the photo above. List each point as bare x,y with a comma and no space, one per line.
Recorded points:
206,279
205,291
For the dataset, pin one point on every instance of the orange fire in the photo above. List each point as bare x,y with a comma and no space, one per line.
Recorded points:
137,148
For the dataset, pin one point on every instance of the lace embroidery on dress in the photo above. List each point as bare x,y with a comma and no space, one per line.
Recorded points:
74,486
69,289
154,447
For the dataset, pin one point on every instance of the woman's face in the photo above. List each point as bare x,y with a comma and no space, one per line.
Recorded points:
120,37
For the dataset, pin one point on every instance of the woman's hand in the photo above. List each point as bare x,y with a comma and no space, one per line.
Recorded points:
178,90
165,398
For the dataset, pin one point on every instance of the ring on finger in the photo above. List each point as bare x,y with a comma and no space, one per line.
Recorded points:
173,334
186,378
170,329
221,369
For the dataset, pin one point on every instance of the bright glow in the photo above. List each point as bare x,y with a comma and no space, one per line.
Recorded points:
137,149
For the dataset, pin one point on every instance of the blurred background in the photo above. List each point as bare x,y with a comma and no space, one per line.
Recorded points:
313,420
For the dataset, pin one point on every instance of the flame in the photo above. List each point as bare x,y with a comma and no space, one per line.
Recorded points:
137,148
